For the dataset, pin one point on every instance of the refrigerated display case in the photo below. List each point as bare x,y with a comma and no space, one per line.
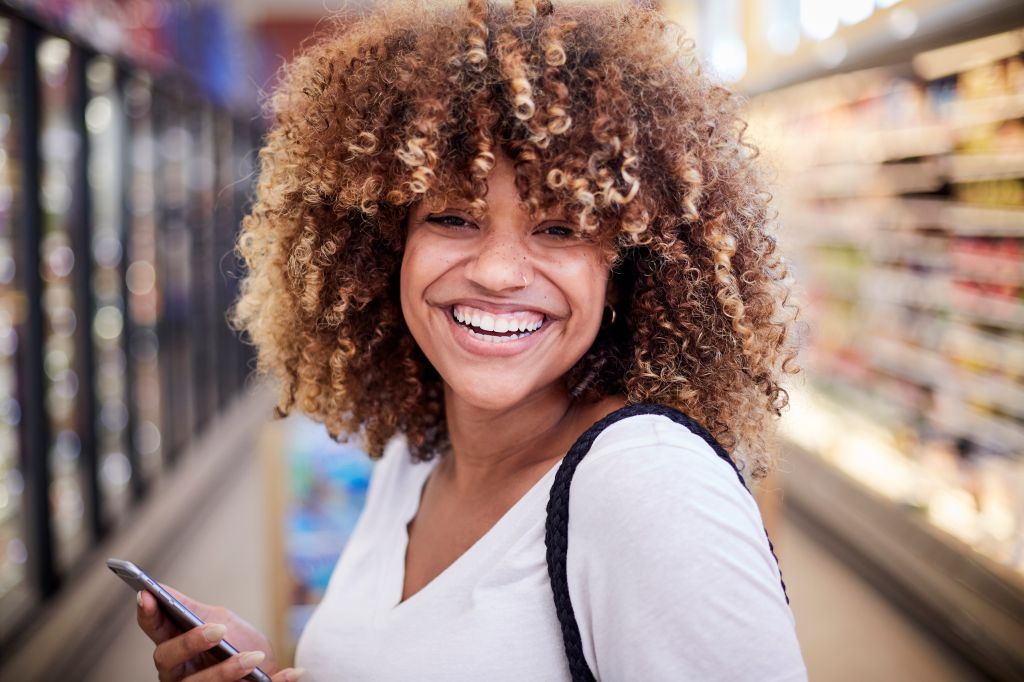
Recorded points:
15,590
143,282
106,185
60,250
174,145
105,132
200,189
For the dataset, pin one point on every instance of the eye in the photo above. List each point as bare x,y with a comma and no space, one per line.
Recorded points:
563,231
453,221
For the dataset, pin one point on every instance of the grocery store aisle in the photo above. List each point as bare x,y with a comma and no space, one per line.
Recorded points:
848,631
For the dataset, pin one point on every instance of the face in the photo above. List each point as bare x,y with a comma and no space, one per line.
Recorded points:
504,306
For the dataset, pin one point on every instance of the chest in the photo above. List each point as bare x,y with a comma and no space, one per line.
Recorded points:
439,535
498,623
464,588
446,526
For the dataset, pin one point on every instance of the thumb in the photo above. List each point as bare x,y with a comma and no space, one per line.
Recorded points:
152,620
288,675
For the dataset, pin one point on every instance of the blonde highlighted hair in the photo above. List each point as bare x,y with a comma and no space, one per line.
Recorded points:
605,112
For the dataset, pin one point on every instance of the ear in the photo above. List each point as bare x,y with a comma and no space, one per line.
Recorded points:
611,290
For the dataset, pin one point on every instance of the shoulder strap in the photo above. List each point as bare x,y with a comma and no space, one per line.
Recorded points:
557,527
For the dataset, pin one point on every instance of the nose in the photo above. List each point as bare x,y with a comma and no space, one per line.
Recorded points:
501,262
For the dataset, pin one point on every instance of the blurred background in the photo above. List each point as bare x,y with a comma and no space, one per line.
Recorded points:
130,424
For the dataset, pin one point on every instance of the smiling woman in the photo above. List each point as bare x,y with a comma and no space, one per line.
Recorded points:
606,119
485,237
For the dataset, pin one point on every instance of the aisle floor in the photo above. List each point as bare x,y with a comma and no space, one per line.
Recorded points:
848,631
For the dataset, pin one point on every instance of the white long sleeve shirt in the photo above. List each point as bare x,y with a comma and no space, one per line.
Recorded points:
669,572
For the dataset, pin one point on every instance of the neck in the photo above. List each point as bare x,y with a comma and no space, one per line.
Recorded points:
488,447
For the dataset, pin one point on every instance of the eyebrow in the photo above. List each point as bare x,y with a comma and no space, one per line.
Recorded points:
561,216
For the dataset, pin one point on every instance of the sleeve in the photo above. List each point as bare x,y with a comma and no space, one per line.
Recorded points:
670,574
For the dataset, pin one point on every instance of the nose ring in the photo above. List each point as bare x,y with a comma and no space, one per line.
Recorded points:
524,278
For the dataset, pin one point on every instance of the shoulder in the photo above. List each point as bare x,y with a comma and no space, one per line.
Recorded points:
652,458
651,488
669,568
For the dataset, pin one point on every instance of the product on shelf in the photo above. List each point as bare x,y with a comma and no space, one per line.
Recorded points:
902,206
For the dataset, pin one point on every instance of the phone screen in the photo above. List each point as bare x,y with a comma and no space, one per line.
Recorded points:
177,612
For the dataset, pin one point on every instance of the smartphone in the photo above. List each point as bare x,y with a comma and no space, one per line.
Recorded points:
177,612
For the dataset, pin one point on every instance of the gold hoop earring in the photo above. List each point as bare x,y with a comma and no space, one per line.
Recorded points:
609,305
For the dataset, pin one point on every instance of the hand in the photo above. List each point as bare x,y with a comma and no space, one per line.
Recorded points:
185,656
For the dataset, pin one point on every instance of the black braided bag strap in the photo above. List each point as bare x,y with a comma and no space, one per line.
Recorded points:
556,534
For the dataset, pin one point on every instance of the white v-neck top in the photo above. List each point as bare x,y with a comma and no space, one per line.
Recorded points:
670,577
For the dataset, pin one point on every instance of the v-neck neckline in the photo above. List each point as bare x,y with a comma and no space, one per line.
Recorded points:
398,559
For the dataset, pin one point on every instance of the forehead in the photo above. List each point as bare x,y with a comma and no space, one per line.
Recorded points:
501,200
499,193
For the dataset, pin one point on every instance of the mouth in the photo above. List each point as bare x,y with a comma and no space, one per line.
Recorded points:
491,330
496,335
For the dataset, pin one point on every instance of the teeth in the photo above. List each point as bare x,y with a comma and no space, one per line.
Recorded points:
490,338
522,321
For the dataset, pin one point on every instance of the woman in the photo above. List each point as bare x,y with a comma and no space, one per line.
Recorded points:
477,232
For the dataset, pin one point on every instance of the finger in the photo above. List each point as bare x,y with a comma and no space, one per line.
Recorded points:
234,668
288,675
152,620
178,650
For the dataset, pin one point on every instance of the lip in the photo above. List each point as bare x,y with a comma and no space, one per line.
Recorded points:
473,345
498,307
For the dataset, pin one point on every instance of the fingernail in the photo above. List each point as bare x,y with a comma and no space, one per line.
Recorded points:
251,659
214,632
294,674
138,598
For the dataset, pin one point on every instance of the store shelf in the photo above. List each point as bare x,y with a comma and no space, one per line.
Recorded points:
986,309
978,167
907,199
923,291
881,146
985,111
872,180
983,220
974,605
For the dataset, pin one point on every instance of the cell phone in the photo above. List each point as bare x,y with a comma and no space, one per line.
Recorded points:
177,612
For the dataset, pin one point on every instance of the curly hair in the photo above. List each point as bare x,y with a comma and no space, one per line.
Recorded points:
605,112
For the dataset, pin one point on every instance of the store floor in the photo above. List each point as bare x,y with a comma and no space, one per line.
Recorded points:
848,631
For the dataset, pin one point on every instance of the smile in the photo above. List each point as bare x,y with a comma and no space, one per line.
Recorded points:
497,327
500,334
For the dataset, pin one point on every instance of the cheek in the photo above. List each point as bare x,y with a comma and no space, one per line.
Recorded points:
585,279
422,265
410,282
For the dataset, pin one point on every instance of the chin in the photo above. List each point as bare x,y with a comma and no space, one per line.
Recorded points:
487,394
